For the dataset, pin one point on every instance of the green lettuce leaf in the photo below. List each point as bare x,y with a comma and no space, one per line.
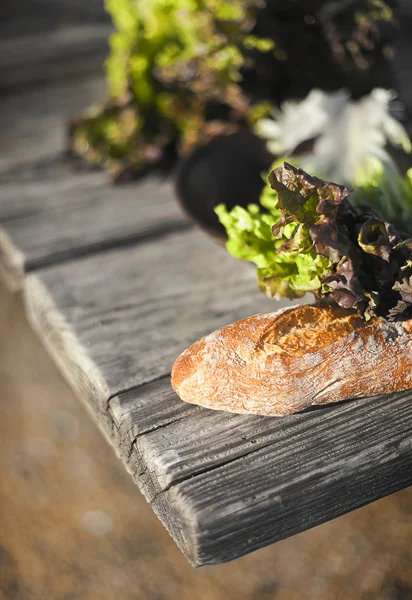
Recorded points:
286,259
307,237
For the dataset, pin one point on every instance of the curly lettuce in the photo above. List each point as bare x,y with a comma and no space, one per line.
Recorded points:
352,142
173,74
286,260
308,237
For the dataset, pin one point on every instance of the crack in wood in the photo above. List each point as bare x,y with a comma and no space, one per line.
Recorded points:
137,387
106,246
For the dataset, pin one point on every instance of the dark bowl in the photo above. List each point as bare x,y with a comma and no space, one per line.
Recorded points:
230,169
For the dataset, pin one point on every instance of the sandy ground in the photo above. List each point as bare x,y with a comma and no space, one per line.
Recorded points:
74,526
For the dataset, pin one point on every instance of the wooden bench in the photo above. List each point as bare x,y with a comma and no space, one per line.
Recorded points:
117,283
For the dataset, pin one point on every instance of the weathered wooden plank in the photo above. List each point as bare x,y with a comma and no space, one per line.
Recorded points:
148,408
135,309
223,484
318,467
235,483
119,319
52,209
27,17
33,124
49,218
53,55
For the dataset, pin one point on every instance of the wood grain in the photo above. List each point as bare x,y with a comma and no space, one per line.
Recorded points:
53,55
222,484
45,40
22,18
33,124
135,309
235,483
53,219
52,209
108,338
301,483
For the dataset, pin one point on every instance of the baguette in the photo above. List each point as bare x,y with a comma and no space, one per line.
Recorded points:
283,362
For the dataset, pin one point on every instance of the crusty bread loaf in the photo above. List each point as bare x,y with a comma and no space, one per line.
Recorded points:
282,362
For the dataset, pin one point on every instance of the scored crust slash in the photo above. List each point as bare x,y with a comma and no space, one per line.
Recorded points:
355,341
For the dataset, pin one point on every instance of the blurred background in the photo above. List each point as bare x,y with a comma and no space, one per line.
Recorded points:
72,523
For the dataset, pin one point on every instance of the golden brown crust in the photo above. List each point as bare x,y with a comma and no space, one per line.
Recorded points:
280,363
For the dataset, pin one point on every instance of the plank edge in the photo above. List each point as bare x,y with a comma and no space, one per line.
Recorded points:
88,384
11,263
77,368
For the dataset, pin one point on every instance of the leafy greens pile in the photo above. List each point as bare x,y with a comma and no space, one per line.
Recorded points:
308,237
182,71
174,73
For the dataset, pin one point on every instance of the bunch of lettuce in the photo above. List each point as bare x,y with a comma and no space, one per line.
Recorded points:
173,75
308,237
